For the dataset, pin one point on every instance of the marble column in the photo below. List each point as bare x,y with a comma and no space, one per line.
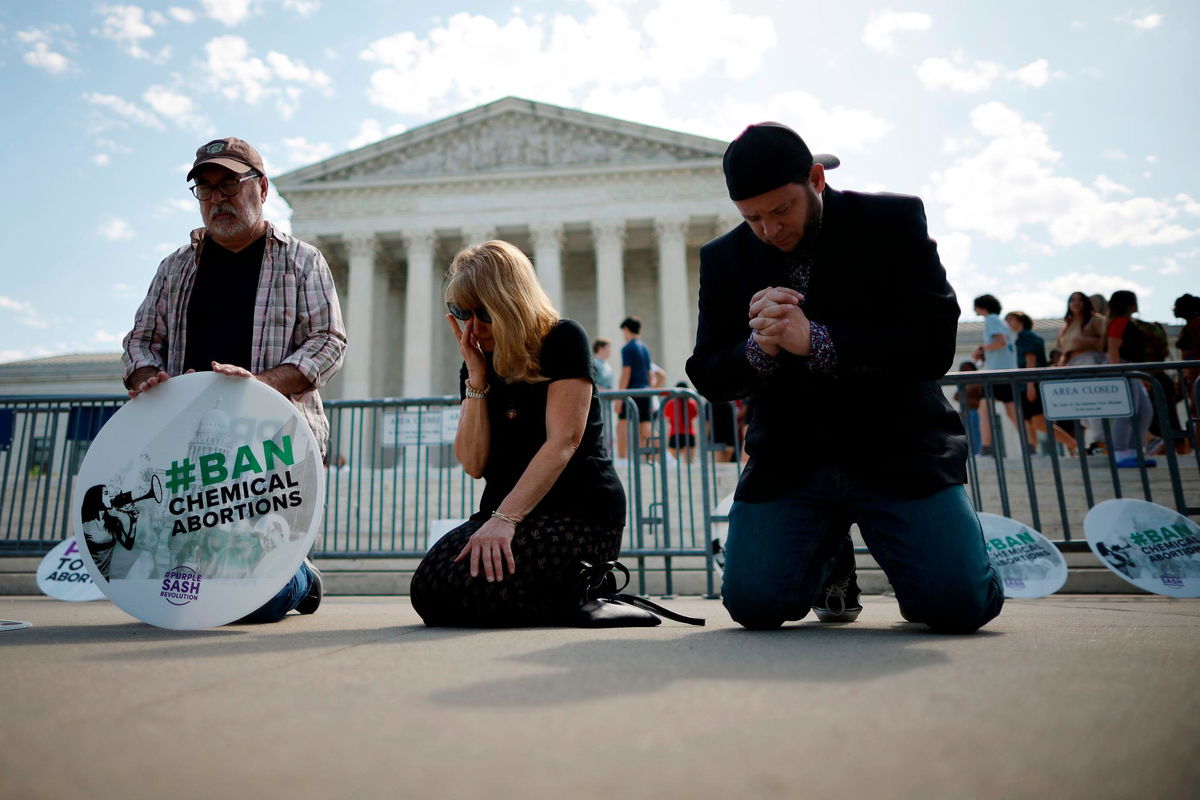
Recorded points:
419,307
609,240
728,220
547,259
673,298
359,316
477,234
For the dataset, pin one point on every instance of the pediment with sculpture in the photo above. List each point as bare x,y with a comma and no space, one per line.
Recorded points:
515,141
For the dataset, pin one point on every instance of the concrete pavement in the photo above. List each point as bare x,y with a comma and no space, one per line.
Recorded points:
1069,696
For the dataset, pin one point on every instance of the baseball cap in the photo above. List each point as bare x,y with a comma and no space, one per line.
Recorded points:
767,155
231,153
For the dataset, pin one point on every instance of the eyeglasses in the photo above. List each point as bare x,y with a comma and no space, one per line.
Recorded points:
465,314
229,188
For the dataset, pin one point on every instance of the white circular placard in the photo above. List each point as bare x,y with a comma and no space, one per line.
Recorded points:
1151,546
1028,563
13,625
199,500
63,574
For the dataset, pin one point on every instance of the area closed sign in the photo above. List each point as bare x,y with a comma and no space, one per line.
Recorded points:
1087,398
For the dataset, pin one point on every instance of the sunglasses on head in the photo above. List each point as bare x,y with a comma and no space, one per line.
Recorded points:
465,314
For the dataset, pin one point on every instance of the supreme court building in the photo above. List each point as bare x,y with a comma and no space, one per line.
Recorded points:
611,213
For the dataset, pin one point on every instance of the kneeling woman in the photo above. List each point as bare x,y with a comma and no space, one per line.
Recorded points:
531,427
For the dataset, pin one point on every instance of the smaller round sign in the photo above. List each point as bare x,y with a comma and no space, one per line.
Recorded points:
13,625
1151,546
63,574
1029,564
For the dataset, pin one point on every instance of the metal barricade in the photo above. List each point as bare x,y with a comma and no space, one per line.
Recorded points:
672,485
1072,485
392,482
42,443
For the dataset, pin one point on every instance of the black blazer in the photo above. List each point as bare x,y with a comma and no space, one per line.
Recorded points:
879,288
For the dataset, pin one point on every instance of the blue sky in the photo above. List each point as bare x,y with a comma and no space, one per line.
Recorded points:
1053,142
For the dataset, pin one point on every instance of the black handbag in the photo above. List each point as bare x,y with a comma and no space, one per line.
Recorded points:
603,605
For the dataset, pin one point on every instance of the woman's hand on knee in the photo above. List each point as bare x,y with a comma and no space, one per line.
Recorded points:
490,547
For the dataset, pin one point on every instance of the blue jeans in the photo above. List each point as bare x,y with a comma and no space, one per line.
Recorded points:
781,552
285,600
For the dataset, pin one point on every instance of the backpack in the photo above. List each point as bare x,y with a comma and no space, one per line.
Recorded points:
1156,340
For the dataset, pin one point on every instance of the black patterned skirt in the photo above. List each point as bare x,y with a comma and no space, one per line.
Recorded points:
543,591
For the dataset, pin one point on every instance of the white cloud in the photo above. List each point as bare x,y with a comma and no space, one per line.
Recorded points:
957,74
689,37
8,304
231,69
302,151
1148,22
1009,184
128,26
294,71
305,8
370,130
1016,269
229,12
123,291
837,128
1172,267
178,108
882,27
1106,186
184,15
26,313
1188,203
40,53
1137,267
104,337
1035,73
472,59
115,229
1114,154
100,159
124,109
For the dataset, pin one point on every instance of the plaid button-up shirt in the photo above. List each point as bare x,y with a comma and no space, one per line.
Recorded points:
297,318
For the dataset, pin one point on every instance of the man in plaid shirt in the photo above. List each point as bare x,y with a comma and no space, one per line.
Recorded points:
244,299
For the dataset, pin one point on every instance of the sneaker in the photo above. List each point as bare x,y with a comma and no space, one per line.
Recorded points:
315,591
839,600
1132,462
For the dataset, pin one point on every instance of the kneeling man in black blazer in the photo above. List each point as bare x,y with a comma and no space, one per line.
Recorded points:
829,311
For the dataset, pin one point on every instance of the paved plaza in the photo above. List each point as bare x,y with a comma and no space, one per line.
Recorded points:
1069,697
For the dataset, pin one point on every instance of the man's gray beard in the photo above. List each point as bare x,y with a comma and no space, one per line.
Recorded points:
236,227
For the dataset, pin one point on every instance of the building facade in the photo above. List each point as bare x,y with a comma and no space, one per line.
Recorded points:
611,213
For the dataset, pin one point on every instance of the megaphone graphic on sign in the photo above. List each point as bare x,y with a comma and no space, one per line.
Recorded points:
125,500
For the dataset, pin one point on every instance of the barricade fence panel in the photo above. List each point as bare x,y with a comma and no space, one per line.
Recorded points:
1035,479
393,484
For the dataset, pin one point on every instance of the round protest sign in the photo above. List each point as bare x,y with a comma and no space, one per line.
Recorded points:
1151,546
63,574
1029,565
13,625
198,500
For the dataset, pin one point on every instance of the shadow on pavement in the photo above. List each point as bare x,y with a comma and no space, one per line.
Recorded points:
599,669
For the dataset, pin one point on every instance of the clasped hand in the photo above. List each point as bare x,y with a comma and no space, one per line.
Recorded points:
778,321
491,547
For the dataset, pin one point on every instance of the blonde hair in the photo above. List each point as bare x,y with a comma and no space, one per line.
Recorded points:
499,277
